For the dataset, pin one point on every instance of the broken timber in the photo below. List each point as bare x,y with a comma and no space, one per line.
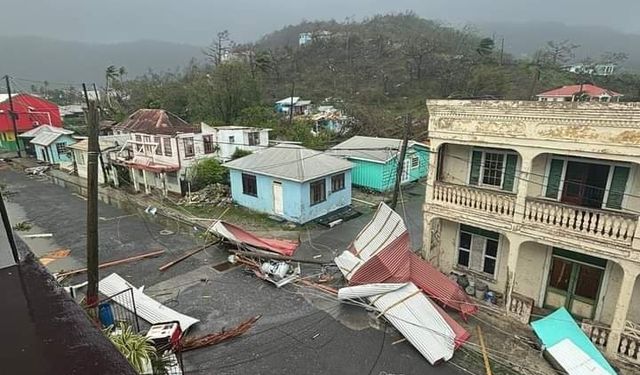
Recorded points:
114,263
187,255
215,338
268,255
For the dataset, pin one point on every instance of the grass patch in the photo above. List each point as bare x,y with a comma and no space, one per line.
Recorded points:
22,226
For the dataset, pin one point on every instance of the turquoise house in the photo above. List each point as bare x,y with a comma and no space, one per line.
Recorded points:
291,182
375,161
53,147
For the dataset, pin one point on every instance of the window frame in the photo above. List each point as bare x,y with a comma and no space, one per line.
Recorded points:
248,178
416,159
483,167
312,184
341,182
207,141
504,154
158,142
188,142
62,148
168,151
253,138
479,272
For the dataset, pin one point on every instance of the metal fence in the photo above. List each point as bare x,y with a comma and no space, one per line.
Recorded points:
119,308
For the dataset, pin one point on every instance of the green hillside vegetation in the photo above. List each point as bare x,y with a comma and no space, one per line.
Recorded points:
376,70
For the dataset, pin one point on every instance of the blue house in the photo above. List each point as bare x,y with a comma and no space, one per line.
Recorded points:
375,161
291,182
52,146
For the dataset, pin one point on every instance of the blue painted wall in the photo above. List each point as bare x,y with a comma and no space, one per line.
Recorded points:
381,177
296,197
52,150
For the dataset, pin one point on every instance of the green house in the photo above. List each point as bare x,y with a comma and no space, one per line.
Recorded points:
375,161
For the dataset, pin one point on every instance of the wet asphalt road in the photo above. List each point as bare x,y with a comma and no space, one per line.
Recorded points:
298,333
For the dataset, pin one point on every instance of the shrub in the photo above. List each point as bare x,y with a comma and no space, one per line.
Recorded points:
207,172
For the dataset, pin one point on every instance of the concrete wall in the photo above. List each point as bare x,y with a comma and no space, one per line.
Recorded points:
296,197
537,175
457,159
241,140
530,270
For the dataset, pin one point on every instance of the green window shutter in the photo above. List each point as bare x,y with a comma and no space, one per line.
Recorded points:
618,186
509,172
476,160
555,175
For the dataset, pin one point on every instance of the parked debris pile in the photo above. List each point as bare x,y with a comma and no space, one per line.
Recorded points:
218,337
215,194
279,273
381,254
243,239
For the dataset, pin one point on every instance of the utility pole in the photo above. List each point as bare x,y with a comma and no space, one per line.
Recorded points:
9,230
92,204
12,114
293,90
501,51
403,153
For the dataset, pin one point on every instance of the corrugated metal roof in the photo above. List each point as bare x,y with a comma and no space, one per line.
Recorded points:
288,100
44,128
154,121
290,162
368,290
379,150
45,138
559,326
573,360
146,307
385,226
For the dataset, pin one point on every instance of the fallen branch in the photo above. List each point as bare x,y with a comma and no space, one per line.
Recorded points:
215,338
187,255
113,263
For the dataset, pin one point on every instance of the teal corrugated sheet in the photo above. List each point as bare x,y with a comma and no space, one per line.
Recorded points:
381,177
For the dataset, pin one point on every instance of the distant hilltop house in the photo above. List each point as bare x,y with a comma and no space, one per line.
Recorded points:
596,70
375,161
572,93
300,107
327,117
30,112
291,182
308,37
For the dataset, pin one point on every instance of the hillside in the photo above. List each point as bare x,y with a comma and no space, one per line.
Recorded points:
55,60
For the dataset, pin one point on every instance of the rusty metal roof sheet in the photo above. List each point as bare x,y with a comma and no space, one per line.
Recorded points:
155,121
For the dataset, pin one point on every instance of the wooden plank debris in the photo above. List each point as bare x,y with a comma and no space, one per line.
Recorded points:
485,356
114,263
187,255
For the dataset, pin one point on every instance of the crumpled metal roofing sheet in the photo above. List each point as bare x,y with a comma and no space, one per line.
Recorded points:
385,226
573,360
146,307
368,290
240,236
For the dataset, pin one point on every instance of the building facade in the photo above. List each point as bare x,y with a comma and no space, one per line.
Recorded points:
375,161
540,201
30,111
291,182
228,139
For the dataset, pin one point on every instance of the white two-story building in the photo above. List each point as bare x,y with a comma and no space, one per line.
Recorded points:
231,138
541,200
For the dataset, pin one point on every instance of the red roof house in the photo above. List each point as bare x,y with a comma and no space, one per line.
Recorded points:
572,92
31,111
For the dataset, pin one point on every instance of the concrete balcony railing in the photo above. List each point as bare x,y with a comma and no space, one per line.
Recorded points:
476,199
628,348
592,223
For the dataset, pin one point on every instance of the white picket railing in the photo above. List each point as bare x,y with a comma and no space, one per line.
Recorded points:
484,200
594,223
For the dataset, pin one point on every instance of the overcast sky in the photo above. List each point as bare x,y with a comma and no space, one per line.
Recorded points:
196,21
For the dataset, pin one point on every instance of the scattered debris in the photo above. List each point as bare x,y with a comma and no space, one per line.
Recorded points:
39,235
113,263
54,255
214,194
267,255
166,232
215,338
145,307
189,253
279,273
569,346
36,170
249,241
22,226
317,256
151,210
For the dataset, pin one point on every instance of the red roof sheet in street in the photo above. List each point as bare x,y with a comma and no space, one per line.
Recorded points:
589,89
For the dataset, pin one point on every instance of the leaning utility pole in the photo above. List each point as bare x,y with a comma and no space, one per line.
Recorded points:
12,114
403,153
92,203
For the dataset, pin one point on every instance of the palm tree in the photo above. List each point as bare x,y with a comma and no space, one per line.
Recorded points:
122,72
109,75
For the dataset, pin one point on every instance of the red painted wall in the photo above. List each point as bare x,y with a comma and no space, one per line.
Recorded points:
31,110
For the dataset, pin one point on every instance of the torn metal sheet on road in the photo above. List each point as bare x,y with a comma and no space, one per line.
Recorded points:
241,237
145,307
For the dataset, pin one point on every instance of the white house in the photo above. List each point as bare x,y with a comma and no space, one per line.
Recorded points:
228,139
109,145
300,107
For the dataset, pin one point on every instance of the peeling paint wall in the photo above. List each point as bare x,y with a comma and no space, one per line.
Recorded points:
456,164
530,270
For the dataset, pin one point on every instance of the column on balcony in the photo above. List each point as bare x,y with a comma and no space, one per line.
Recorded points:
631,272
432,174
512,262
524,176
146,183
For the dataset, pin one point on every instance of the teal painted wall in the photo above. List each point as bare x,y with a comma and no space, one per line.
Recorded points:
381,177
52,150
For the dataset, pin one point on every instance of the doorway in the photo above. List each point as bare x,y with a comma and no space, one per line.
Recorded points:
585,184
574,282
278,203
